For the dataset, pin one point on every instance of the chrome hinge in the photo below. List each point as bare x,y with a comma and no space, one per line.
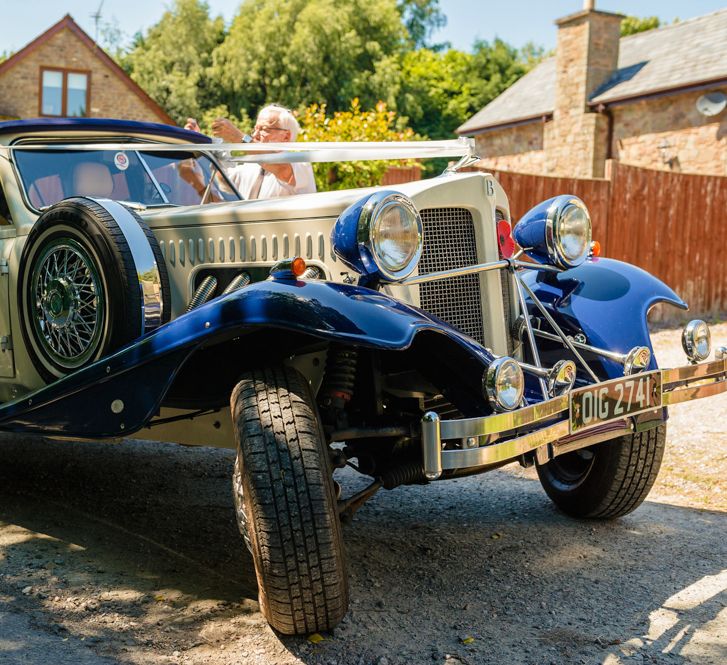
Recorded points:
6,343
4,267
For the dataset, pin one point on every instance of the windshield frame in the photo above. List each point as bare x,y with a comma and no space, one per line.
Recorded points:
18,143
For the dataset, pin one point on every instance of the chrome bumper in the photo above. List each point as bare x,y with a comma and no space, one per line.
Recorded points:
481,443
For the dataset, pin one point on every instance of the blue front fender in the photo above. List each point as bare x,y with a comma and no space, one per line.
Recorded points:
119,394
605,299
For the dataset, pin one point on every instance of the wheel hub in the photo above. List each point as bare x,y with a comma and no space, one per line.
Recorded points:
60,302
69,302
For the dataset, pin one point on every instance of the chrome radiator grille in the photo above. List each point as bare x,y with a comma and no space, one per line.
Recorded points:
449,242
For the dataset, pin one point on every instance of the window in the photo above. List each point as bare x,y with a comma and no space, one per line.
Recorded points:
64,92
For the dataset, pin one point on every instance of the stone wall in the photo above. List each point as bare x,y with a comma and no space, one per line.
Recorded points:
110,96
696,144
518,149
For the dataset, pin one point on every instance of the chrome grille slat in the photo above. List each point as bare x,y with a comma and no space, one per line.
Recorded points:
449,242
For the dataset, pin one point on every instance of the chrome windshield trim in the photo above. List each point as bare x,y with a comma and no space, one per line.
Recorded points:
152,177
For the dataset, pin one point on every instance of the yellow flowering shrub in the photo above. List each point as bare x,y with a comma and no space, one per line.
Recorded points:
356,124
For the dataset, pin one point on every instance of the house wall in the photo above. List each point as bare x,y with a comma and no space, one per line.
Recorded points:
514,149
697,144
110,97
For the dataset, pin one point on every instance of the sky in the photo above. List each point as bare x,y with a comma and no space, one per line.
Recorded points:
515,21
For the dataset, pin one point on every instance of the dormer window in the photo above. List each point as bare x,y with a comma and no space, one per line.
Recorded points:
64,92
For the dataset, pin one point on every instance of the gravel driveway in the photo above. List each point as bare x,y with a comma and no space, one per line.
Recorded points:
129,553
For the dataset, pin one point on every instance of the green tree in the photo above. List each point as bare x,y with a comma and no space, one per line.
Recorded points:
421,18
439,91
633,24
354,124
299,52
171,61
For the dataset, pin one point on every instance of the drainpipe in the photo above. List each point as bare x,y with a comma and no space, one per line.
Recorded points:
603,109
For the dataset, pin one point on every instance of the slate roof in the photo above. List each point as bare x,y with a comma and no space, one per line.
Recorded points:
686,53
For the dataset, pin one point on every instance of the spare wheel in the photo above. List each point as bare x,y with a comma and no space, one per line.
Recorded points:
92,278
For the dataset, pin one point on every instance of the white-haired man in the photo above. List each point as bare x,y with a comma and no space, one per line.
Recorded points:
275,124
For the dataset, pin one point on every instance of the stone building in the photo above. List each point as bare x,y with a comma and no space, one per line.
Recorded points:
64,73
655,99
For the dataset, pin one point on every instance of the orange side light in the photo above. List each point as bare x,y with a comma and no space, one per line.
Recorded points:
595,248
297,267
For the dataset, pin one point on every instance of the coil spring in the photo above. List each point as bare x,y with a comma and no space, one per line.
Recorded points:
340,373
406,474
238,281
311,272
203,292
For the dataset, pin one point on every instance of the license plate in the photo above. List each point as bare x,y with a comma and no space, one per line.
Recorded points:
595,405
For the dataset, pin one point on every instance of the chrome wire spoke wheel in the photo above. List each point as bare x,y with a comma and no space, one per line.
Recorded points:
68,302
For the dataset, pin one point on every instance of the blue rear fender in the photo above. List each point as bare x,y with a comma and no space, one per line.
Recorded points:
605,299
119,394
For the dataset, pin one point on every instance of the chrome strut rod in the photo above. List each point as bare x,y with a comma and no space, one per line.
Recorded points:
531,338
611,355
555,326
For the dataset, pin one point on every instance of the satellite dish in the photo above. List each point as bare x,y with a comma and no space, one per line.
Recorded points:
712,103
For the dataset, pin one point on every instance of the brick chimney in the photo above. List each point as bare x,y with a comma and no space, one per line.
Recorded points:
586,56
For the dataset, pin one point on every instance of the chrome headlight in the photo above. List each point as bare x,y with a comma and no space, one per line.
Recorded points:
381,235
557,231
504,384
697,340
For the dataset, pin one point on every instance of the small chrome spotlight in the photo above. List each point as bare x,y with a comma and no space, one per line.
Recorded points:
696,340
561,378
637,360
504,384
720,353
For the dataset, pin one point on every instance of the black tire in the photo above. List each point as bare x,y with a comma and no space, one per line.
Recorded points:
108,288
608,480
285,501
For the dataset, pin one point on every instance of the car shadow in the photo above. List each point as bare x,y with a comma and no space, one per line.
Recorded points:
99,541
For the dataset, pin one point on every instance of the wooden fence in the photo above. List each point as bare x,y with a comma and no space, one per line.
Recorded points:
671,224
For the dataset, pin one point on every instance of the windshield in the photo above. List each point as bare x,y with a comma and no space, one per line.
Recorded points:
149,178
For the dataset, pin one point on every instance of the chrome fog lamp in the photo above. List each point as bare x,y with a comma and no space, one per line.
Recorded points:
504,384
556,231
637,360
561,378
381,236
696,340
720,353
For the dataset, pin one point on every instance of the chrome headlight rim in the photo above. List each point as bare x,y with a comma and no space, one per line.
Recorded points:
370,214
555,215
490,380
561,378
690,342
637,360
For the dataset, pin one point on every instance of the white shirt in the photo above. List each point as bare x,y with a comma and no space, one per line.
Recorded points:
244,176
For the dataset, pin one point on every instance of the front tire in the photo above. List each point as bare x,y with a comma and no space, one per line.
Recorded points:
608,480
285,502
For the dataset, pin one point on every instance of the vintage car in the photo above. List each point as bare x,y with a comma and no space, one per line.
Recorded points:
401,332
